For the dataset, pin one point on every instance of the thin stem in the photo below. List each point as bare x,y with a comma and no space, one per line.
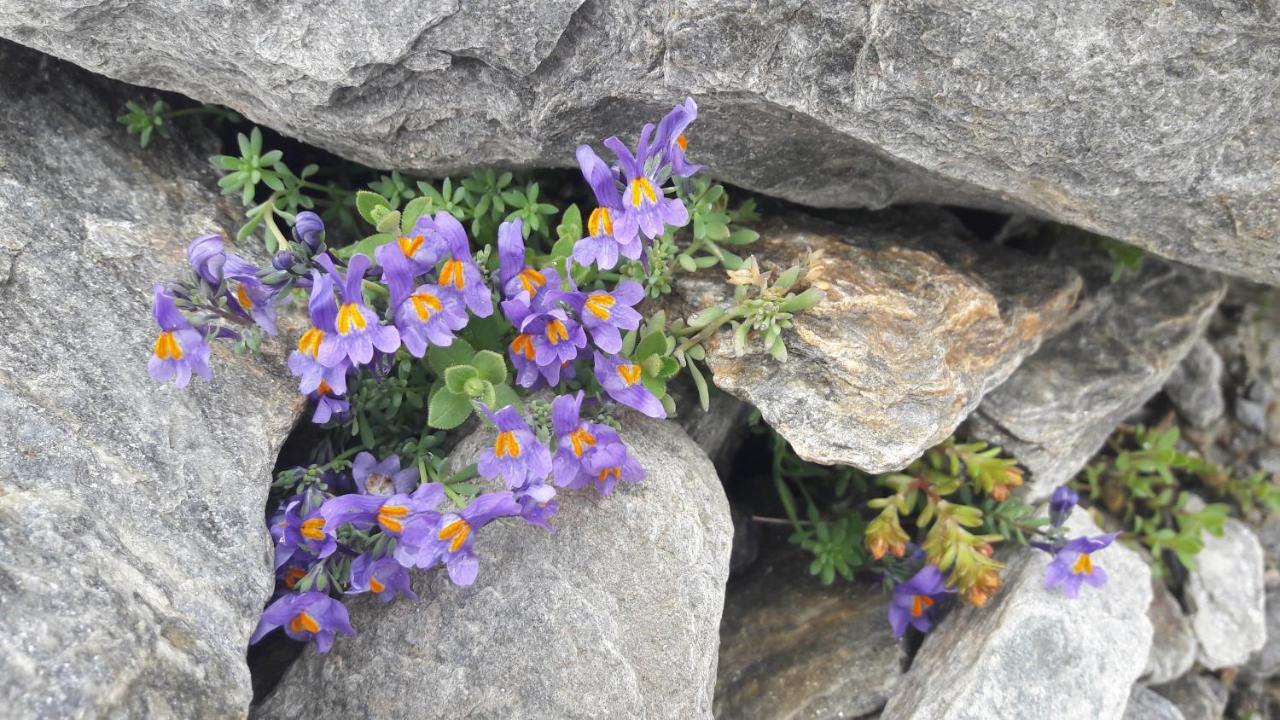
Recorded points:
282,242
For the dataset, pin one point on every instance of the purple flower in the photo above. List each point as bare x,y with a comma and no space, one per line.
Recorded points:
670,142
556,337
1072,565
207,254
460,271
606,238
430,316
250,295
180,349
1061,504
328,406
305,616
305,361
358,329
914,600
517,456
414,254
382,478
304,530
605,313
537,504
384,578
455,537
308,228
588,452
621,379
514,275
393,515
644,204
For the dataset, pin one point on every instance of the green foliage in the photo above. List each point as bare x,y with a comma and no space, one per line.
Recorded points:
146,120
1125,259
1142,481
467,376
959,495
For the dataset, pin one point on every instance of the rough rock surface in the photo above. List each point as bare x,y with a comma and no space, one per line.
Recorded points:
720,430
1195,386
614,615
791,649
1197,697
1173,642
1226,597
1125,339
1142,120
133,555
916,327
1035,648
1146,704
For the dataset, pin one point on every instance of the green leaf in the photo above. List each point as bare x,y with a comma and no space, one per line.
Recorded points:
366,246
570,227
505,395
366,202
687,262
655,343
412,211
456,377
491,366
441,359
448,410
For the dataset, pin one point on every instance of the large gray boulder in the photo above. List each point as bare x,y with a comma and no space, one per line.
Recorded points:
792,649
134,559
1124,340
1138,119
1227,597
1033,652
615,615
918,323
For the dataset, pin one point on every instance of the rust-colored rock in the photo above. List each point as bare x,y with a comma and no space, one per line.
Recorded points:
918,324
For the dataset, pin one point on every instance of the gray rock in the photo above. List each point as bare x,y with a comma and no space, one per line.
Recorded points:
792,649
1125,339
1149,122
1173,642
1033,652
1195,386
720,430
1198,697
134,558
1265,663
1253,406
1145,704
916,327
1226,597
614,615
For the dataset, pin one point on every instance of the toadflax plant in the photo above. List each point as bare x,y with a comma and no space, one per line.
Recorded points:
419,326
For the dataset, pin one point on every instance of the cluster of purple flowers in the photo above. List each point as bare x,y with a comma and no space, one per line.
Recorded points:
916,601
386,521
363,533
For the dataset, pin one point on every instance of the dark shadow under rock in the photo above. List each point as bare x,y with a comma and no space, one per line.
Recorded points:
792,648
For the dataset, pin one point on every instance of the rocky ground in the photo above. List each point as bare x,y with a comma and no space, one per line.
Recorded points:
133,556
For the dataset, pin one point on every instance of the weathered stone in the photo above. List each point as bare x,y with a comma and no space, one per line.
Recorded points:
792,649
1173,642
1033,652
1125,339
916,327
1198,697
1140,120
1145,704
613,615
134,559
720,430
1195,386
1226,597
1265,663
746,540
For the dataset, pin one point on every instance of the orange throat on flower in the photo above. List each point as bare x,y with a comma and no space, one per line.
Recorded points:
920,603
1083,566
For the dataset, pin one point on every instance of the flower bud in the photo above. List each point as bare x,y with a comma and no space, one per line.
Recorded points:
283,261
308,228
207,255
1061,504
